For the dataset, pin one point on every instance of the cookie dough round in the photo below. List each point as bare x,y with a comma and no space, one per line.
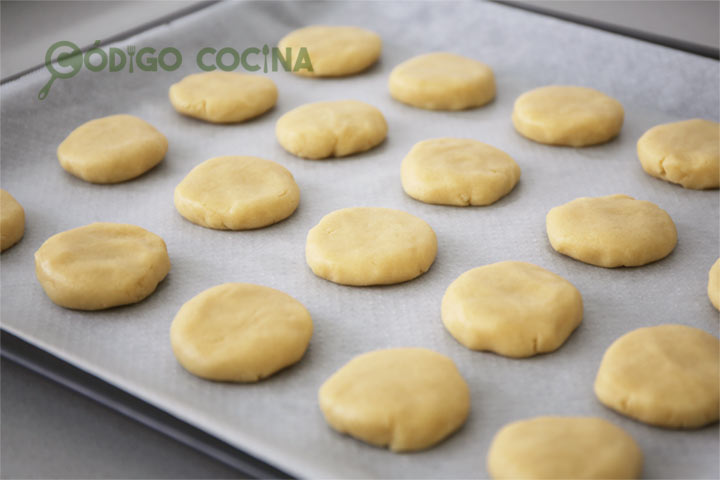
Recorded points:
668,376
334,51
223,97
611,231
564,447
237,193
442,81
515,309
12,220
401,398
458,171
685,152
112,149
714,284
370,246
238,332
101,265
564,115
331,129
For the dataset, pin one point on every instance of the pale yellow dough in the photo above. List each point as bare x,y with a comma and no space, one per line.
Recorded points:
331,129
334,51
442,81
101,265
401,398
12,220
685,152
237,193
112,149
516,309
370,246
238,332
714,284
611,231
668,376
458,171
553,448
564,115
223,97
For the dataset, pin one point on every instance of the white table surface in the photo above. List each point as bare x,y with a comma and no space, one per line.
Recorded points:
47,431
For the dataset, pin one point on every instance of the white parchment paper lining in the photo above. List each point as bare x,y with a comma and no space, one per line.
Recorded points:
278,420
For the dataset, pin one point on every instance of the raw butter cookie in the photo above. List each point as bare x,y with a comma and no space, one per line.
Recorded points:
112,149
571,116
370,246
668,376
101,265
223,97
334,51
686,152
238,332
237,193
12,220
516,309
331,129
564,448
714,284
611,231
401,398
442,81
458,171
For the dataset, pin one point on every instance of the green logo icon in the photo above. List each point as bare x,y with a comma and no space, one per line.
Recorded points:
71,59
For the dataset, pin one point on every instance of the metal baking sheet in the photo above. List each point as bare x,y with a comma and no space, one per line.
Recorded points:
278,420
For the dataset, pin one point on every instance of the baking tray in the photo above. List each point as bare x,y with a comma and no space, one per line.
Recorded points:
654,83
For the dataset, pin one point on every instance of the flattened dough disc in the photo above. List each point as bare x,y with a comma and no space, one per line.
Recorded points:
611,231
403,398
223,97
668,376
370,246
239,332
442,81
331,129
12,220
516,309
564,448
685,152
101,265
566,115
237,193
458,171
112,149
714,284
334,51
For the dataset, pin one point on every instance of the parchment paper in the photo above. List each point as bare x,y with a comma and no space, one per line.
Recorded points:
279,420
